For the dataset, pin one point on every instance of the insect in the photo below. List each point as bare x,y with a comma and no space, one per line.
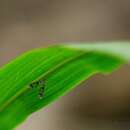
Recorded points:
40,84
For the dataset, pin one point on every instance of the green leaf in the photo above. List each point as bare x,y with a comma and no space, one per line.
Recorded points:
60,68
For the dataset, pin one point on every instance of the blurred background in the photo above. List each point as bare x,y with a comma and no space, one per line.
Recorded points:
101,103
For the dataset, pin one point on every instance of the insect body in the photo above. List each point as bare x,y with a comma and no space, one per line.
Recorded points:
41,89
40,84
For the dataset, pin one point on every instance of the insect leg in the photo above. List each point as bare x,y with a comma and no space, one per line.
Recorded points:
33,85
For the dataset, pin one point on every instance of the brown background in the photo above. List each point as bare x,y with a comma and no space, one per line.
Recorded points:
103,102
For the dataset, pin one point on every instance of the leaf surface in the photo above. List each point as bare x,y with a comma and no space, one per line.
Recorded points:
60,67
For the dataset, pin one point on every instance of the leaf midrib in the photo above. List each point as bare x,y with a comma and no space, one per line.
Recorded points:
47,73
